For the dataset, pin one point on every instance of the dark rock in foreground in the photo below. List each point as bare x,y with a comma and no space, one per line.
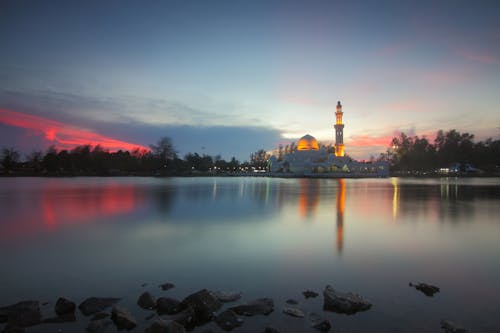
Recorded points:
98,326
261,306
99,316
165,326
427,289
227,296
185,318
294,312
319,323
146,301
292,301
122,318
22,314
310,294
64,306
450,327
340,302
96,304
64,318
167,305
12,329
166,286
228,320
270,330
204,305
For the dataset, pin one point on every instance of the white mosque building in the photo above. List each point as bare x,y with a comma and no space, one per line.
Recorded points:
309,160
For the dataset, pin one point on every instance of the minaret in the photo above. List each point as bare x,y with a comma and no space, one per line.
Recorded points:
339,131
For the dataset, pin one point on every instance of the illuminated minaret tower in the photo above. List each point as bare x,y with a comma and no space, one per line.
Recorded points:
339,131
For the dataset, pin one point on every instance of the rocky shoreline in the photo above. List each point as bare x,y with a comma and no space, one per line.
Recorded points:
171,315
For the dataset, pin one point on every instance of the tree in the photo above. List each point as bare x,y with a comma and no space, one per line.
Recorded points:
164,150
259,159
9,159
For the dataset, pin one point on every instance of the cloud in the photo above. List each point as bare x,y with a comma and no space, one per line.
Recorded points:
62,135
369,141
479,56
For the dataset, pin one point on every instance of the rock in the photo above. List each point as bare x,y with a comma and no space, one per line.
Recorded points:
319,323
451,327
427,289
270,330
294,312
227,296
122,318
99,316
185,318
98,326
96,304
204,305
166,305
165,326
166,286
310,294
261,306
64,306
146,301
228,320
292,301
150,316
12,329
21,314
340,302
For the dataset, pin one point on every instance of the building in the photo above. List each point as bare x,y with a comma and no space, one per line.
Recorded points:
311,160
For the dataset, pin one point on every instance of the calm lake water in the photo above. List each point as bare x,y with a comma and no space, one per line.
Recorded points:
265,237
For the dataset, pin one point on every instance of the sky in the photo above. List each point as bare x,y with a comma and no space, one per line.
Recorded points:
231,77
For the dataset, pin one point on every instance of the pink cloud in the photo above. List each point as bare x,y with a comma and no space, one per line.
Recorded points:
477,56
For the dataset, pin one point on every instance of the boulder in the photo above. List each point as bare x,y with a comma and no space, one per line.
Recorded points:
64,318
167,305
451,327
228,320
98,326
204,305
294,312
319,323
146,301
21,314
292,301
96,304
270,330
227,296
64,306
122,318
165,326
99,316
261,306
427,289
340,302
12,329
310,294
166,286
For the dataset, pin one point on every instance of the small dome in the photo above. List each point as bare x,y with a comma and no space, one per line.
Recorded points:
307,142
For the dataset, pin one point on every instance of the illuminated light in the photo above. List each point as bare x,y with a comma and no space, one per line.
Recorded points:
64,136
307,142
395,198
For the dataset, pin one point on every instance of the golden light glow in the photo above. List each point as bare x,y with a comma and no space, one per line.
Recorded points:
339,150
307,142
395,197
340,214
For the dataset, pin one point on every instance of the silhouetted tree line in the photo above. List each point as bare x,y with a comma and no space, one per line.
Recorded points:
451,149
161,160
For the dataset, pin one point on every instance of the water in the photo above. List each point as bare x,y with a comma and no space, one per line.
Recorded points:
81,237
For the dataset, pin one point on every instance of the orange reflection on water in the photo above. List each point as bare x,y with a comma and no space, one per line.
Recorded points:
340,214
308,197
81,204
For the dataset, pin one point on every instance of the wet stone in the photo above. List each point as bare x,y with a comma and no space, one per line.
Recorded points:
167,305
166,286
204,305
21,314
165,326
294,312
64,306
450,327
228,320
146,301
122,318
99,316
227,296
64,318
310,294
344,302
96,304
427,289
98,326
261,306
292,301
319,323
12,329
270,330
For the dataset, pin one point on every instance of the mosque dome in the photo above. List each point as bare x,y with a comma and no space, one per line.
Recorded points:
307,142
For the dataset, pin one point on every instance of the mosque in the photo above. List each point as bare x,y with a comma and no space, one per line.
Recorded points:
309,160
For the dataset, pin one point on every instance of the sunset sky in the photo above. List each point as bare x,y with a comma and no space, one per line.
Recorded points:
231,77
